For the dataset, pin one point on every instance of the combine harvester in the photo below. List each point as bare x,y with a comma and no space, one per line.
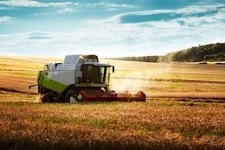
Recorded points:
80,78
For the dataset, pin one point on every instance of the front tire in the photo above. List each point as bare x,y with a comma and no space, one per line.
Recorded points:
71,96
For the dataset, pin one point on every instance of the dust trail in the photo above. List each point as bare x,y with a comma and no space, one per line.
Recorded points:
137,77
128,84
170,80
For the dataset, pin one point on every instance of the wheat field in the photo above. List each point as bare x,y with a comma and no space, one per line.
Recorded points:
185,109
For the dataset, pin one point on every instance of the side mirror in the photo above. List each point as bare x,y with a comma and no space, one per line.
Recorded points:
113,69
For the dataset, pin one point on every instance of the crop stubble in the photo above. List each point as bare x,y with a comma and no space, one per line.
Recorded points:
159,123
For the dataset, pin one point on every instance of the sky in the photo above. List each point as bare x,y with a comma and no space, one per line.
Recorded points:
109,28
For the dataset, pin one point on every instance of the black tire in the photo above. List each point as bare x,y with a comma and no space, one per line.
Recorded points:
47,98
70,93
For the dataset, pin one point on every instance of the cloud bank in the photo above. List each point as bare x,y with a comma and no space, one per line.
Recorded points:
109,29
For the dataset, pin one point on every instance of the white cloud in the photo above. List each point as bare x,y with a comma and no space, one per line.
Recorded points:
68,7
159,37
189,21
113,40
61,7
22,3
85,41
4,19
184,12
113,7
66,10
110,38
200,8
31,3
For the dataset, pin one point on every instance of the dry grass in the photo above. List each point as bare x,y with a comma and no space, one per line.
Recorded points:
155,124
160,123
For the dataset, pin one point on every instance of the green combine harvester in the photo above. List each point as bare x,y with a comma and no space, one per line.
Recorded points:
80,78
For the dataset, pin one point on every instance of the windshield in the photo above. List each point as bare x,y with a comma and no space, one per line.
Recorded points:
95,74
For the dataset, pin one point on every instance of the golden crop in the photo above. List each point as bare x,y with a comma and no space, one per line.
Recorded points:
184,110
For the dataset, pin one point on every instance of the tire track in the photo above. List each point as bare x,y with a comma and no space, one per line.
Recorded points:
16,91
190,99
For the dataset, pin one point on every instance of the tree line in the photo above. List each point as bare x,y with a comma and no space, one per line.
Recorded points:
142,58
209,52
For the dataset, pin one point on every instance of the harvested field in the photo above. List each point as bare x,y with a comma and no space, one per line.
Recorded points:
155,124
185,109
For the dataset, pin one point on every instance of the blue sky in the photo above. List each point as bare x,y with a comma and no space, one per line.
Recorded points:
108,28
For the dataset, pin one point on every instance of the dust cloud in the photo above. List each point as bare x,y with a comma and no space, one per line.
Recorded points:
133,83
141,80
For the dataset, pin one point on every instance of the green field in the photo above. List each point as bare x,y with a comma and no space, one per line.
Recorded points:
185,109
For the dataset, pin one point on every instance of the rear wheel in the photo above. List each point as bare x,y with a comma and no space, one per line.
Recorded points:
47,98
